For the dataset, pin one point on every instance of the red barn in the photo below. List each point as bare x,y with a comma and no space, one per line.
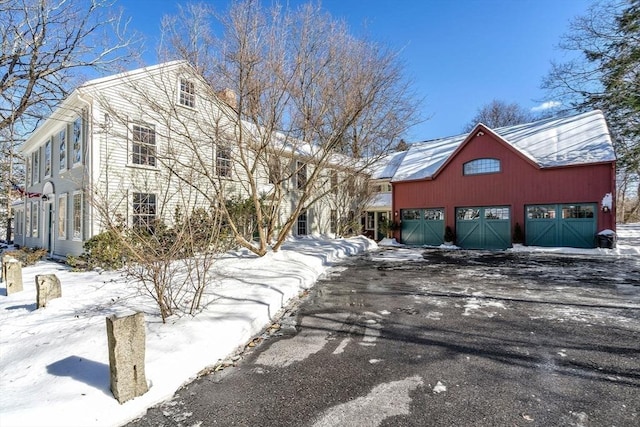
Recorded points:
553,179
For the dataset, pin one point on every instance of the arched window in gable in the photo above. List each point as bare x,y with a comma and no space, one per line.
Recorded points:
481,166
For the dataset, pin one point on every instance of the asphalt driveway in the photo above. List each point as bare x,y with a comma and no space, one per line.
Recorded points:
439,338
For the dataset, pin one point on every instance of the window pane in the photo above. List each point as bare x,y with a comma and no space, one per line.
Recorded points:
275,172
577,211
370,221
480,166
541,212
63,149
77,216
144,146
62,217
28,219
77,141
223,162
47,158
35,220
410,214
36,166
434,214
144,211
302,223
496,213
187,93
301,175
468,214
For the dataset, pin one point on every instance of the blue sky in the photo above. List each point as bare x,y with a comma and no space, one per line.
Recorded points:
460,54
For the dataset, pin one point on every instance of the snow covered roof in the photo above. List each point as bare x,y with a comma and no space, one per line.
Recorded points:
101,82
424,159
386,167
380,200
574,140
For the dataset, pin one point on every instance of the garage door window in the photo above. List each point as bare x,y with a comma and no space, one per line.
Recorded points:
496,213
468,214
577,211
410,214
541,212
434,214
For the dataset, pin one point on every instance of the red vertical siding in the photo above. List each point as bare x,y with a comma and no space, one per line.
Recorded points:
519,183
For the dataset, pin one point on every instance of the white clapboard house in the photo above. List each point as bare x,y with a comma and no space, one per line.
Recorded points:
107,152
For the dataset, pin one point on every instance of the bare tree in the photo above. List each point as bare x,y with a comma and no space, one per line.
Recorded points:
306,96
499,113
168,241
45,46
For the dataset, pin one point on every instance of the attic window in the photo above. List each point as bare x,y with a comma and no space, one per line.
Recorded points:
481,166
187,93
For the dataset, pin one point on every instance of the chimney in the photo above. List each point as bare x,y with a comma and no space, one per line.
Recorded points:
228,96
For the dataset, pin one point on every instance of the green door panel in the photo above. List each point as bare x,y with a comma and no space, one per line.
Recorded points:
483,227
411,230
468,235
578,233
433,232
497,234
422,226
541,232
561,225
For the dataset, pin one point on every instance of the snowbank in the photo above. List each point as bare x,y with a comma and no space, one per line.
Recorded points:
54,367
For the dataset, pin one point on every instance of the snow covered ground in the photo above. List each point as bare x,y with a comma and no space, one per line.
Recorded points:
54,365
54,368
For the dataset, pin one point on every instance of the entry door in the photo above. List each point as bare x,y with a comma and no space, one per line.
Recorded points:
50,229
484,227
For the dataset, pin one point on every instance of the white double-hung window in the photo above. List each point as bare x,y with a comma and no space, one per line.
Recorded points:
187,93
143,145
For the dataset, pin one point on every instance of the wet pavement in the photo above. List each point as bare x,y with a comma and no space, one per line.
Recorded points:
407,337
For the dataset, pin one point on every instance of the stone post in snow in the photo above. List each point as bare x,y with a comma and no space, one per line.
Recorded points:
126,337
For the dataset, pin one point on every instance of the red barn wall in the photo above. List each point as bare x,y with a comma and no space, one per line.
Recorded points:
519,183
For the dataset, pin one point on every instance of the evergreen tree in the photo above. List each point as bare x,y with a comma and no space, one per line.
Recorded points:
605,74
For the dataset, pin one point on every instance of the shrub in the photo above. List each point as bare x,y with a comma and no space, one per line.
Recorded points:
387,227
105,250
28,256
449,236
518,236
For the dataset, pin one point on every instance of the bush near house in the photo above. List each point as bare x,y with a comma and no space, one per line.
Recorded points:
105,250
449,235
28,256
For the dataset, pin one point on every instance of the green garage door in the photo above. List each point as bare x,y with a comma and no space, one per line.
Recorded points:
422,226
561,225
487,227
